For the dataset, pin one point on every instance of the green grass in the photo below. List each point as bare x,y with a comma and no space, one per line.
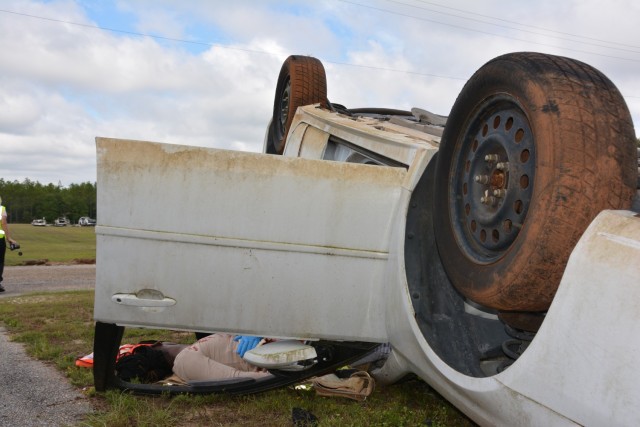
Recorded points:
54,244
58,327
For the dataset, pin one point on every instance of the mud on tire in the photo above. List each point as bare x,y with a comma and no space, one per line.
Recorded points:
302,81
534,148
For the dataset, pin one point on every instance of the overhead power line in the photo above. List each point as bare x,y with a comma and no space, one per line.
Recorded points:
516,23
210,44
263,52
405,15
133,33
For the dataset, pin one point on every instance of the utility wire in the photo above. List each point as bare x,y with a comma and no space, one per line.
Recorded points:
483,32
262,52
133,33
522,25
519,29
209,44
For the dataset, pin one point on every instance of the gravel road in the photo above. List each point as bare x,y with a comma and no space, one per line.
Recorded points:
33,393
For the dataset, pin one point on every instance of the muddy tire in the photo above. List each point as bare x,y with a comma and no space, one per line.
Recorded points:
302,81
534,148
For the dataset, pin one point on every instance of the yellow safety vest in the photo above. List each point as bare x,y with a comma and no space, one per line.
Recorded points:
3,213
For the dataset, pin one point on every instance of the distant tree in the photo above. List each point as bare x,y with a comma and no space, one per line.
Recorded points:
80,200
29,200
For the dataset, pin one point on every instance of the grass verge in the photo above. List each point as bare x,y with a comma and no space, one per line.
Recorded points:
58,327
51,244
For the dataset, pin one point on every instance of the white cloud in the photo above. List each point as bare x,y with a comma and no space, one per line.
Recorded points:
63,84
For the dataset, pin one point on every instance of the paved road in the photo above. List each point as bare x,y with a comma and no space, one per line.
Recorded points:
35,394
32,393
25,279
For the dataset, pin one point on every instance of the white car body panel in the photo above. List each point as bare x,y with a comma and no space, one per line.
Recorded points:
580,368
160,245
296,247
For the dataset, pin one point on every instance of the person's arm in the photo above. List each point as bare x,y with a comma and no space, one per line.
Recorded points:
5,228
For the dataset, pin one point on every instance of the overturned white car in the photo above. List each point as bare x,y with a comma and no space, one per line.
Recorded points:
497,250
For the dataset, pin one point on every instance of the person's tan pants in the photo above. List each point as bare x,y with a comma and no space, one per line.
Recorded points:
214,357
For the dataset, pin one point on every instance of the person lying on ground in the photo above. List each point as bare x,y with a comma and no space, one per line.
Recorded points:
215,356
212,357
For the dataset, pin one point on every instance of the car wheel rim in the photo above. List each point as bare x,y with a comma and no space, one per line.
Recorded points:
492,183
284,104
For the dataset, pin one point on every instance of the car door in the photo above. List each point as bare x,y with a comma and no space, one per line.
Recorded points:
214,240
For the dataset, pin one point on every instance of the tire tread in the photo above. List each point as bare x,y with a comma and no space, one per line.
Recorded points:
594,160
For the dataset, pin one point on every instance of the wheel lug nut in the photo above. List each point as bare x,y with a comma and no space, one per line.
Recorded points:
501,192
503,166
488,200
482,179
491,158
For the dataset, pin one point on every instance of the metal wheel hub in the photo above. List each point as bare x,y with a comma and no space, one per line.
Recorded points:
284,104
493,180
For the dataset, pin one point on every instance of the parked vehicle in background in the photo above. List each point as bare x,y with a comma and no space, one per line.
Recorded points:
39,222
61,222
85,221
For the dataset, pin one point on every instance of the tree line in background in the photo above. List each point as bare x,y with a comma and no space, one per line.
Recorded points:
29,200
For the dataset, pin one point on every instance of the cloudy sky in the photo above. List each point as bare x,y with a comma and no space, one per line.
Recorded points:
203,72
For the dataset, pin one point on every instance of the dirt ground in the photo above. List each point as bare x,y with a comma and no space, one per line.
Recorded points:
24,279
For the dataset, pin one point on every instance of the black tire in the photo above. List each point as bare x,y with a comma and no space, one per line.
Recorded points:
567,137
302,81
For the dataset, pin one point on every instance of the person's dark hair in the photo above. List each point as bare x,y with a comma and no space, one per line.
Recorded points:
146,364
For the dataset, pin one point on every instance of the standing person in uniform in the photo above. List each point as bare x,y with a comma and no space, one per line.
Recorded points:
4,239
